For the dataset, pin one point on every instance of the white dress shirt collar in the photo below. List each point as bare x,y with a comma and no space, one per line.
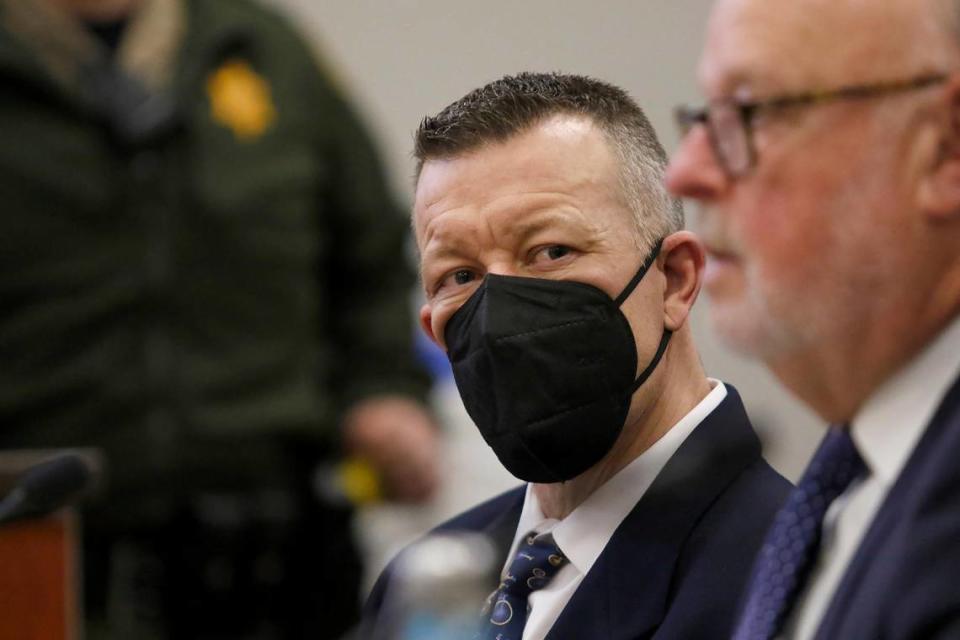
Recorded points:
890,423
584,533
886,431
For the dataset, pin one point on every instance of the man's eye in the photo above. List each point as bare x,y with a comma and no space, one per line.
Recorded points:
552,253
455,279
463,276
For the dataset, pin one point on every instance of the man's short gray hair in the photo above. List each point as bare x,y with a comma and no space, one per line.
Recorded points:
513,104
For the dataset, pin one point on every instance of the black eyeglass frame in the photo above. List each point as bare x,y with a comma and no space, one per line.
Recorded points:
686,117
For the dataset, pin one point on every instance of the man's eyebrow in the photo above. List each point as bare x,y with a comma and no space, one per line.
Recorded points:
541,218
445,250
457,246
527,228
438,252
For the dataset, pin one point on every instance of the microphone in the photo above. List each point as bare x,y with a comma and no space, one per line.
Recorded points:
46,487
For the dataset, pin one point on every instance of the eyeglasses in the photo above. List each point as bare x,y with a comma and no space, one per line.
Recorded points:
730,122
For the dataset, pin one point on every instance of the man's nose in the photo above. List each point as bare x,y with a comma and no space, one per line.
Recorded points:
503,268
694,171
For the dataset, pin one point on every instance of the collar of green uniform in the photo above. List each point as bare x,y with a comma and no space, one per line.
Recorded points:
63,46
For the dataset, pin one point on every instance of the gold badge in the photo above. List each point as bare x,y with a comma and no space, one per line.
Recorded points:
240,99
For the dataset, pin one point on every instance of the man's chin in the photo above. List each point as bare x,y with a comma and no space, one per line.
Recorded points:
742,328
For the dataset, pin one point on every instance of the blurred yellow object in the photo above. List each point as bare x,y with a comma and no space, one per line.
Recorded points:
359,481
241,99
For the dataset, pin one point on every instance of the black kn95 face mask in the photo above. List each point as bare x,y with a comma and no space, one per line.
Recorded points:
546,370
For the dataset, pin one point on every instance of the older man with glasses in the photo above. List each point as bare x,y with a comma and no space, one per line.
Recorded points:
827,169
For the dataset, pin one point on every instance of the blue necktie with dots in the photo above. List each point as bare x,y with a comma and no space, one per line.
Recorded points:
793,540
537,561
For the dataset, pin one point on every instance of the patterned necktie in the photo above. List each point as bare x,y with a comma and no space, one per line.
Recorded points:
536,563
794,538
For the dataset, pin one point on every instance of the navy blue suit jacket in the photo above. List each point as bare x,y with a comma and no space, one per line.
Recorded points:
677,564
904,580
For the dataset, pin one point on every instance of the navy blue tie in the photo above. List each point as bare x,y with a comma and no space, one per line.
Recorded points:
793,540
534,565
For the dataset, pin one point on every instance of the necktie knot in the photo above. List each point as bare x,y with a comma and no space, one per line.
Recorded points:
794,537
535,563
834,466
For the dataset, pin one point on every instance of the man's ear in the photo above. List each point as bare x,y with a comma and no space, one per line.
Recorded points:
940,189
426,323
682,258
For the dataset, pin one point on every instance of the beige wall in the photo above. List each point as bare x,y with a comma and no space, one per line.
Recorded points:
403,59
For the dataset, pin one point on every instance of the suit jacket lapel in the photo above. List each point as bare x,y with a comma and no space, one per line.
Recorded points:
913,480
502,529
627,592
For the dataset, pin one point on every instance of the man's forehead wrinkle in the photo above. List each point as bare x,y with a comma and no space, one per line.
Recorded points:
537,199
448,235
445,232
546,209
563,215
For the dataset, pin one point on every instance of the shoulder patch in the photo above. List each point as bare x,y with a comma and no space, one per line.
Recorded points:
240,99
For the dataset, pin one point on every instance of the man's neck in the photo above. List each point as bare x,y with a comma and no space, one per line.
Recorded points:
836,379
669,397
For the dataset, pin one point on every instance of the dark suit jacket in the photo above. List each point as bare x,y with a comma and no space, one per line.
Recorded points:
904,580
676,565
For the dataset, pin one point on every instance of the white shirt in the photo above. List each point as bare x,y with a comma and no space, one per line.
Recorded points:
584,533
885,430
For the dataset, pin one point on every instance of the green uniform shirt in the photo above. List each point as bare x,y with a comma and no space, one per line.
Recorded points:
192,263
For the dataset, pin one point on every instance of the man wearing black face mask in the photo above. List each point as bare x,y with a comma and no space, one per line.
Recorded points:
559,281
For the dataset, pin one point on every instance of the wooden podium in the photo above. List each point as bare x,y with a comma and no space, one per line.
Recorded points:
39,566
39,575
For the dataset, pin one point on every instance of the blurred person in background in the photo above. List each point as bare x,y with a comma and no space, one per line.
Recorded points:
827,167
203,276
559,280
